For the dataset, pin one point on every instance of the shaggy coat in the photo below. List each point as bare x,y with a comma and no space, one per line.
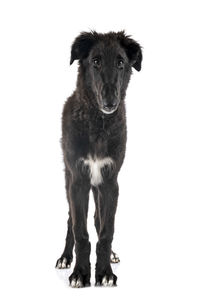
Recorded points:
93,143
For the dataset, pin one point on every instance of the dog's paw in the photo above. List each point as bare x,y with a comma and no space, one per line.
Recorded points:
76,282
114,258
107,280
63,263
79,279
106,277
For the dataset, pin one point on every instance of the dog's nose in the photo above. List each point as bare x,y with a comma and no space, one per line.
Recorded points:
110,106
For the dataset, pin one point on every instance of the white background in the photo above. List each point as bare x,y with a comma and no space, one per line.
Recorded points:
158,217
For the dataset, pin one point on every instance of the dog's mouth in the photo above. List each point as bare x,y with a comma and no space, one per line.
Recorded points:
109,107
108,111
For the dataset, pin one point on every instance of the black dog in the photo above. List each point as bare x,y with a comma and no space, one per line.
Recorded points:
93,143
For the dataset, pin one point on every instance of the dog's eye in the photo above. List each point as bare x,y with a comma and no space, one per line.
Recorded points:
120,64
96,62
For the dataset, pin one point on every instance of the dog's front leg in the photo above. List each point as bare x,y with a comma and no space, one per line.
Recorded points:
79,196
108,195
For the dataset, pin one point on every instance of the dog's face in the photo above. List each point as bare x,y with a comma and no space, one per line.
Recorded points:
106,61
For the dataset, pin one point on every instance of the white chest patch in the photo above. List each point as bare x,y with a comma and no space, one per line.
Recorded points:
95,165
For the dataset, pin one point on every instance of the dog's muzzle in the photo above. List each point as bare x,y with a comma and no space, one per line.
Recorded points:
109,107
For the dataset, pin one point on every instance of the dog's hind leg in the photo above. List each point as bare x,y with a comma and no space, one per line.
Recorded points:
66,258
114,258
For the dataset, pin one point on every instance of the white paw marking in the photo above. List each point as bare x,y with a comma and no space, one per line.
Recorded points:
104,281
64,263
79,283
110,282
76,283
73,283
114,258
95,166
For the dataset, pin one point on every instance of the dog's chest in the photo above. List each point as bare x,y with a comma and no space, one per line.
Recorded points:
96,164
98,156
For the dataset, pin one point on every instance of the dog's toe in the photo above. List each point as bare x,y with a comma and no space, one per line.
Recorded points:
79,283
111,282
73,283
64,262
104,281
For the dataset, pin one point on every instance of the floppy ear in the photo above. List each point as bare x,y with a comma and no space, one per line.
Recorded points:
133,50
82,46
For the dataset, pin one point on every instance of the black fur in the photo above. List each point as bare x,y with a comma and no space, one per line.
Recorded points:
94,123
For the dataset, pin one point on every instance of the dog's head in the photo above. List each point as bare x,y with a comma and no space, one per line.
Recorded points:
106,61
